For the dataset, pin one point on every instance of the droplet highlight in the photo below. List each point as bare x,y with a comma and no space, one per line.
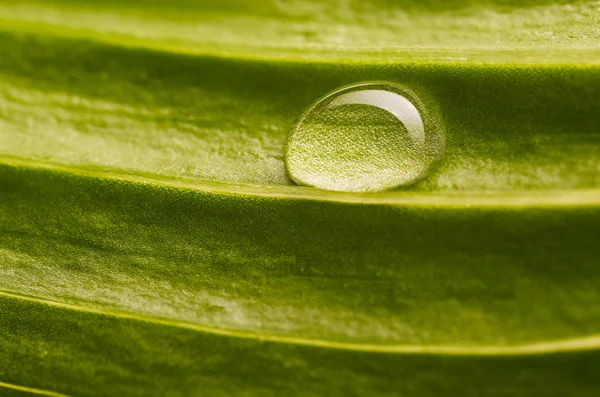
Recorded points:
364,138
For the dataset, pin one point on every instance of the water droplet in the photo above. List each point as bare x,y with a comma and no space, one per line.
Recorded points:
365,137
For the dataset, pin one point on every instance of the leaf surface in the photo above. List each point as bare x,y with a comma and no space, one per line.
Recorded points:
151,243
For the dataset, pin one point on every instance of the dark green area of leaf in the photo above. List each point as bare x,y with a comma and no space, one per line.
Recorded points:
275,266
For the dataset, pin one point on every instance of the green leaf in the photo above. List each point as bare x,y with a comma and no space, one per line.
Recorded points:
151,243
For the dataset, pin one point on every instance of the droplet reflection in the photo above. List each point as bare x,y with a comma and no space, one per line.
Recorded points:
365,137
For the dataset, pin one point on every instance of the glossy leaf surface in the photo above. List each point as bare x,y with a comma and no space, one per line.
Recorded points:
151,243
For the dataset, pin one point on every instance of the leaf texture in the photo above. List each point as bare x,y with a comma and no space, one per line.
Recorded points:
151,243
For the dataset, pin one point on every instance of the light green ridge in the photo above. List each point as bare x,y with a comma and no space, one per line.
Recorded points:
543,30
182,362
547,198
591,342
27,390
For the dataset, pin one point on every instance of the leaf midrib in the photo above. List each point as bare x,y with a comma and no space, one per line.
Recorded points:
29,17
31,390
577,56
590,342
554,198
